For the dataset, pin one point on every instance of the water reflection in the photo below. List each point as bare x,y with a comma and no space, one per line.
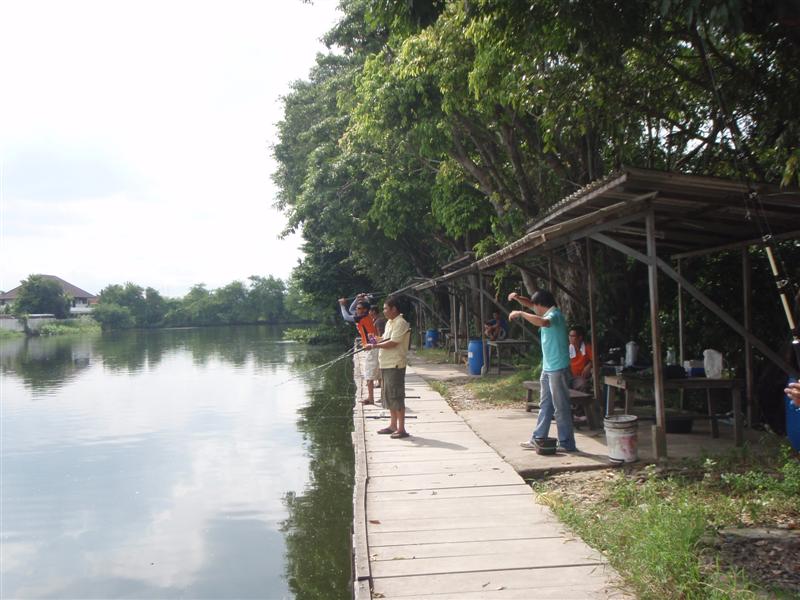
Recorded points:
316,571
183,463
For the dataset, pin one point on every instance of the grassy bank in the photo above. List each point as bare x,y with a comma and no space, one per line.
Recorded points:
491,390
658,526
83,325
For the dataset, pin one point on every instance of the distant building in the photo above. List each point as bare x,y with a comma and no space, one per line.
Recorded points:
82,301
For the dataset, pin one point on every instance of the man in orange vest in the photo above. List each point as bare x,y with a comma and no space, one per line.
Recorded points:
367,359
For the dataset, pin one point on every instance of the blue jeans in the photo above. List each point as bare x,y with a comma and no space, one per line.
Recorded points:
555,400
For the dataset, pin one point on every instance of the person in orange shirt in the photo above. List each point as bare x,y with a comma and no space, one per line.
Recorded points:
580,359
367,358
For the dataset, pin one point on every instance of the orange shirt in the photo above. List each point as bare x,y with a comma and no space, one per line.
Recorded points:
365,326
579,362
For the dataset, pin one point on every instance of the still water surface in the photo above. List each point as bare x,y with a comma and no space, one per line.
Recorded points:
194,463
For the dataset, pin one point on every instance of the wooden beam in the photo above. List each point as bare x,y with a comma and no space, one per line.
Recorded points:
659,430
681,340
702,298
747,302
592,324
426,305
480,325
790,235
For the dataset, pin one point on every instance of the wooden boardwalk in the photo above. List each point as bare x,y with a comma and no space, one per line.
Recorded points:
441,515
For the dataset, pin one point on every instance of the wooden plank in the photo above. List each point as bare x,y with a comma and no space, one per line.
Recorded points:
462,494
378,508
487,562
540,548
440,480
548,583
442,510
461,534
429,467
417,523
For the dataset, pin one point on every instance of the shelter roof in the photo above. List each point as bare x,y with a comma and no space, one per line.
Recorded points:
693,214
71,290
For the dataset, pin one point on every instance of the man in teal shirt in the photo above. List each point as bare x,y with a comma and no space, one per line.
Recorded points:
555,368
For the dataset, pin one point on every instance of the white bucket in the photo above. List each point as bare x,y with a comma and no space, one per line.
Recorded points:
622,438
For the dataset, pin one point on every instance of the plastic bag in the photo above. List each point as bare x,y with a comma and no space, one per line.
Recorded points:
712,363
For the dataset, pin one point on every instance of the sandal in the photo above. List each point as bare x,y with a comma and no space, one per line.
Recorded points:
367,401
400,434
386,430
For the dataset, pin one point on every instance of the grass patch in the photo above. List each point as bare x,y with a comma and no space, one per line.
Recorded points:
432,355
651,523
6,334
504,390
72,326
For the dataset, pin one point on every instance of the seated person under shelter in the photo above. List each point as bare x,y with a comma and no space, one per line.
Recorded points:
580,360
496,328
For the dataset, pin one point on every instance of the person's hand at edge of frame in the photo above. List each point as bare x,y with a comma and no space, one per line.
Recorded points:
792,392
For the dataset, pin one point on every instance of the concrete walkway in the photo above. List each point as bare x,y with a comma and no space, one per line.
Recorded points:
441,515
504,428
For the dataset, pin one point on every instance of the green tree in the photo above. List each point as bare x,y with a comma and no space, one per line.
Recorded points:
265,299
113,316
40,295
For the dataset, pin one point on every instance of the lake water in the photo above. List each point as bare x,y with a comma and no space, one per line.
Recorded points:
190,463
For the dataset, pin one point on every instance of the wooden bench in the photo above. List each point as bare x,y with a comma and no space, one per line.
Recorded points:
582,399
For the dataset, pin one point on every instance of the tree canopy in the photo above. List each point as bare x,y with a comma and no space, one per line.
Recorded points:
40,295
437,127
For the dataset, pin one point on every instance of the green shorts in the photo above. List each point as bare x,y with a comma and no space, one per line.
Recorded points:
393,391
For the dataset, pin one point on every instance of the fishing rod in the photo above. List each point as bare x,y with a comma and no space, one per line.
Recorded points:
327,365
368,294
783,284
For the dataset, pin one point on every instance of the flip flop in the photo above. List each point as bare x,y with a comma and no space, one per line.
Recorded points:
366,402
386,430
400,434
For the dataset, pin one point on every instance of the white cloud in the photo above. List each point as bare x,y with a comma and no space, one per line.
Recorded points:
147,126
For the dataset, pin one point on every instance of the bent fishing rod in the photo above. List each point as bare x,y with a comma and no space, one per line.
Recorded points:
327,365
783,284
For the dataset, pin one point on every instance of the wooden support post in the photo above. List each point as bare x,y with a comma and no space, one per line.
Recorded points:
659,430
592,328
747,300
681,342
484,350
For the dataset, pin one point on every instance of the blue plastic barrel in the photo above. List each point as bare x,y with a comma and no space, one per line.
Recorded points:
792,422
474,357
431,338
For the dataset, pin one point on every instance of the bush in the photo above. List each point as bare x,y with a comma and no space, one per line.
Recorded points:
113,316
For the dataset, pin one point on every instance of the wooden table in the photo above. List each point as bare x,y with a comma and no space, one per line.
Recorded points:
450,346
519,346
631,384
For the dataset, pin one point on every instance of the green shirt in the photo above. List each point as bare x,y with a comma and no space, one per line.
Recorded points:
555,341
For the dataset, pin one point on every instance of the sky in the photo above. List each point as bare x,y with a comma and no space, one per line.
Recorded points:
135,138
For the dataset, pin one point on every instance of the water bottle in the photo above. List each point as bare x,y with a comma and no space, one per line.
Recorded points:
671,360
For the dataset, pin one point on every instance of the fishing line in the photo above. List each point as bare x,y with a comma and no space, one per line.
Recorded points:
324,366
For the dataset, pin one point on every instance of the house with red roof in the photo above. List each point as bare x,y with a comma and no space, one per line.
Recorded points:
82,301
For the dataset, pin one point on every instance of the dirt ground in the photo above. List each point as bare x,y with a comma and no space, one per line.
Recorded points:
770,557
